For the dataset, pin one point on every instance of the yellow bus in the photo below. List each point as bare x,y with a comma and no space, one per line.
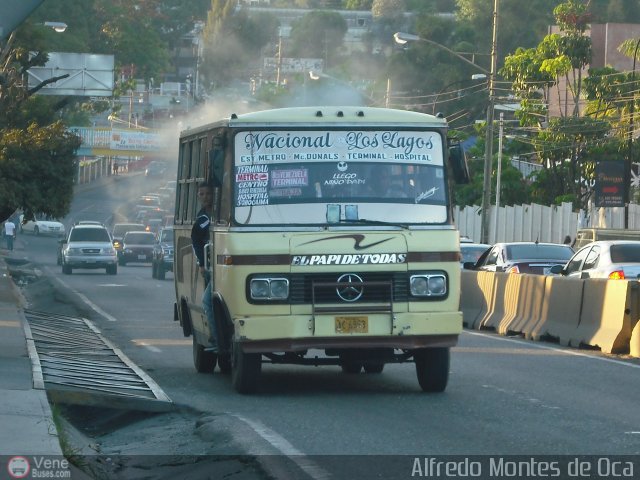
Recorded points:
331,241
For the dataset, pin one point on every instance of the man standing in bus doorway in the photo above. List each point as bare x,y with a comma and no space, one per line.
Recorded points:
199,238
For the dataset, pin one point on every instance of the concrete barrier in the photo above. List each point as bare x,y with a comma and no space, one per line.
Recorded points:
472,298
504,296
560,311
599,313
605,319
528,309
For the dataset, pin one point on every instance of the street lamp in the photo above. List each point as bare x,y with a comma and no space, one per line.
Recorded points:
402,38
57,26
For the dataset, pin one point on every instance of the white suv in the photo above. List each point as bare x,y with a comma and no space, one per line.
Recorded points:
89,246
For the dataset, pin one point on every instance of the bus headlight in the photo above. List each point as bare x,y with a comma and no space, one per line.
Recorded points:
269,288
432,284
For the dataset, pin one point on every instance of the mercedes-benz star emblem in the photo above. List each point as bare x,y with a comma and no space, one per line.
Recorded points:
353,291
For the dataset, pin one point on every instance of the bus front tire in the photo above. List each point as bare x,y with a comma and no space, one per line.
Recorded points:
432,368
185,319
204,361
245,369
224,363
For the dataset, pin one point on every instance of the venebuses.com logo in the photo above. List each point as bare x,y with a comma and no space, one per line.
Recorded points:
18,467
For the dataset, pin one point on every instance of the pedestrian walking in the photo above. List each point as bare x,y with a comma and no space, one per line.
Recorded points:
9,233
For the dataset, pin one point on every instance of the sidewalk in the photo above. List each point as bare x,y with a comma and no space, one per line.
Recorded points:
25,415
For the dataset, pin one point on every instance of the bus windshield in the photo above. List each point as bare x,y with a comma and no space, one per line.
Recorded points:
319,178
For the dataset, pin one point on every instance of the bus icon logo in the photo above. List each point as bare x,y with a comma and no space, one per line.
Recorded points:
18,467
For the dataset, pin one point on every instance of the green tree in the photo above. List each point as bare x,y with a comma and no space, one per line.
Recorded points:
520,23
318,34
232,41
615,11
131,30
37,167
388,8
37,153
566,145
358,4
514,188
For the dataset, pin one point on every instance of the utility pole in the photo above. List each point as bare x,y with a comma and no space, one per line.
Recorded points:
488,150
279,60
499,172
629,162
387,96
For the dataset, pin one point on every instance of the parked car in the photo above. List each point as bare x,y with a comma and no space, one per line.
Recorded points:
137,246
613,259
42,226
471,252
120,229
522,257
89,246
162,261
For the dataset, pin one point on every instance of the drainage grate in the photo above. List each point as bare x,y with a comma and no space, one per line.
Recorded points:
77,365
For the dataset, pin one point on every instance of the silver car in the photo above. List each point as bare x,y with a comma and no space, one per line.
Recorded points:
613,259
89,246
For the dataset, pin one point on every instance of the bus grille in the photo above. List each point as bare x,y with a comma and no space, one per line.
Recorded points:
300,288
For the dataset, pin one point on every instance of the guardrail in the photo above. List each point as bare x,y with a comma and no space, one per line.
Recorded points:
595,313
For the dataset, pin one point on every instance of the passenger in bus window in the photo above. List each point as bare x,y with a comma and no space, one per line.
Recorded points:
199,238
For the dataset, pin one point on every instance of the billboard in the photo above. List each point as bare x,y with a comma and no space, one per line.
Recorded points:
609,186
90,75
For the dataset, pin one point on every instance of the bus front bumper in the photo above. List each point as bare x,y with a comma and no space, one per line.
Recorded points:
297,333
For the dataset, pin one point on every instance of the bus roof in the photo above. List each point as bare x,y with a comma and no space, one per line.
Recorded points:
327,115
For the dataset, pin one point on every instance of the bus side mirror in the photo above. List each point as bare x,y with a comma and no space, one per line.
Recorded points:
216,162
458,162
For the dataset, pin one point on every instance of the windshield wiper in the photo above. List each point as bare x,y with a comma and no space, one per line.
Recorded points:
364,221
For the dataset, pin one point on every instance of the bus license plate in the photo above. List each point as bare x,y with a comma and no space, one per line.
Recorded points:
352,324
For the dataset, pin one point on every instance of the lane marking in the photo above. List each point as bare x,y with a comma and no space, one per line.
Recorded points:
150,343
92,305
9,323
510,351
555,349
161,341
285,448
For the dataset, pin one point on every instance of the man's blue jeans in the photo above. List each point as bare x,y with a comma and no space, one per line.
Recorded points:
207,306
9,239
